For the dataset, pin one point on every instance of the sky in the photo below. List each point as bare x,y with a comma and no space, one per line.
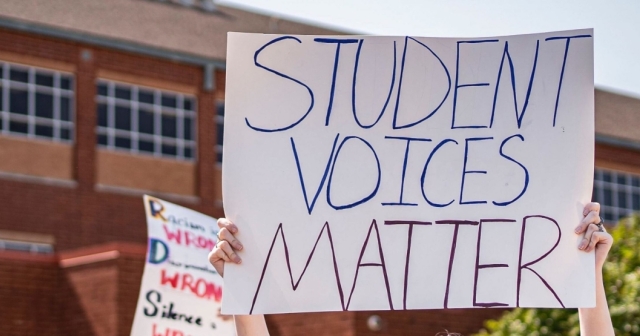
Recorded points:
616,24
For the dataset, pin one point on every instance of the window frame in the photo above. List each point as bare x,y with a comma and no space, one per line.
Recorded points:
219,123
158,110
615,211
32,89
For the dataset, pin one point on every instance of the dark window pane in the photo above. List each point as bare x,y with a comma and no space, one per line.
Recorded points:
621,179
44,105
19,75
102,139
103,90
219,157
606,176
169,100
123,118
220,134
102,115
169,126
145,122
636,201
145,96
66,82
595,175
145,146
1,70
123,92
18,127
220,109
1,124
188,104
169,150
622,199
608,197
44,79
188,127
65,109
188,152
123,142
635,181
65,133
594,196
46,131
18,101
608,216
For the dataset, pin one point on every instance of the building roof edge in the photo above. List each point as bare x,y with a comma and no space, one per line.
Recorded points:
617,142
111,43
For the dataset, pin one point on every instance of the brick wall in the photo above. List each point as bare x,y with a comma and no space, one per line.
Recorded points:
77,214
28,288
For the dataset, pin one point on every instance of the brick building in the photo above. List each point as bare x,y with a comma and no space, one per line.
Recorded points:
103,101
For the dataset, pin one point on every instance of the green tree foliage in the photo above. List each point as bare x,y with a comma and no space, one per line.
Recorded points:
621,276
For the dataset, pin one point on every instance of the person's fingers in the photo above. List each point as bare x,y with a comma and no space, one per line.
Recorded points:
591,217
226,247
584,243
225,234
217,254
217,258
225,223
592,206
599,238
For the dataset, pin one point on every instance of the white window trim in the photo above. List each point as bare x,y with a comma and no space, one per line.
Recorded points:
32,88
158,110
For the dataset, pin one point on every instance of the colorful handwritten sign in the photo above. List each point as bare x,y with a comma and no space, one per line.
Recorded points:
180,293
394,173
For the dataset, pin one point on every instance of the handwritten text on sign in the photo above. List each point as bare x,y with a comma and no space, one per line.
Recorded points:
180,292
408,173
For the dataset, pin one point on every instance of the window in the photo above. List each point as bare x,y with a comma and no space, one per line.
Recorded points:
617,192
144,120
34,248
36,103
219,131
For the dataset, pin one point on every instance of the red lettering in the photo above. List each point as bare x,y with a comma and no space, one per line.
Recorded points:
167,331
173,236
200,284
214,292
197,286
173,280
186,282
189,239
153,332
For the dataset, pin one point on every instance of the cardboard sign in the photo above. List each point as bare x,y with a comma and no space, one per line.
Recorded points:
390,173
181,292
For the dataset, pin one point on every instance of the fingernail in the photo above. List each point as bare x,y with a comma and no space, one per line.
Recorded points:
577,230
239,261
240,247
581,246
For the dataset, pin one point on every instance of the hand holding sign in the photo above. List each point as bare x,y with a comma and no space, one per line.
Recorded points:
225,249
408,173
597,320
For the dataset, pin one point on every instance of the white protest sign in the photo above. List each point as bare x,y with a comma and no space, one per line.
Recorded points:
390,173
181,292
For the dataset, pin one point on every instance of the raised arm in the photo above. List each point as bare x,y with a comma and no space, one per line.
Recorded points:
226,250
595,321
